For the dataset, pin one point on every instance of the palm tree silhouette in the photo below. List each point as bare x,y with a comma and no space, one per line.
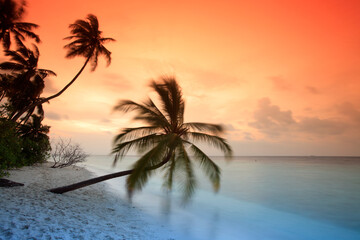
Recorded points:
87,42
11,14
28,81
164,143
25,60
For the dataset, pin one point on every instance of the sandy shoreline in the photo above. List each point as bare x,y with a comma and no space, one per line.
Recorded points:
30,212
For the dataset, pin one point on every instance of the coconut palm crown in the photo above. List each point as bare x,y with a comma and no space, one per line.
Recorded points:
167,142
25,60
87,41
11,13
27,80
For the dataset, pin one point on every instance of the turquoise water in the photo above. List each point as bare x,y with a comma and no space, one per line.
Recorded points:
260,198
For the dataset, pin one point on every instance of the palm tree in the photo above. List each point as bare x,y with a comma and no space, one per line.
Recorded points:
25,60
87,42
28,82
165,142
11,14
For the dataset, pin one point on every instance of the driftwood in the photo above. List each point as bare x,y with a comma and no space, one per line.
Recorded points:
8,183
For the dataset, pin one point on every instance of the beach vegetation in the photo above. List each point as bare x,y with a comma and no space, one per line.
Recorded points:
10,147
22,82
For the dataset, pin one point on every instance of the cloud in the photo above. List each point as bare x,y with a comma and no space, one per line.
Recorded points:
321,126
229,127
280,83
270,119
312,90
348,109
49,86
274,122
116,82
105,120
53,116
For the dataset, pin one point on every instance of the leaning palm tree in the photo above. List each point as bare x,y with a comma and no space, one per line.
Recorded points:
11,14
87,42
166,142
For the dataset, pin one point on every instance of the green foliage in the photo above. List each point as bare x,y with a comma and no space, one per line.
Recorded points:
10,147
18,149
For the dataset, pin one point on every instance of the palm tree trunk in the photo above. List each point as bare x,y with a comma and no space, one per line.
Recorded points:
92,181
41,101
89,182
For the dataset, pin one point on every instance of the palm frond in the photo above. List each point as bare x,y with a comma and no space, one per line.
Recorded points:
30,34
215,141
209,167
47,72
205,127
187,179
11,66
146,113
106,53
121,148
131,133
169,174
141,174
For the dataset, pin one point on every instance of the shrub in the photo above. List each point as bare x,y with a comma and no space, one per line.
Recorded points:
10,147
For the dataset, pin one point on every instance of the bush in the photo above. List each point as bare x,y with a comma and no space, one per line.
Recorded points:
17,150
10,147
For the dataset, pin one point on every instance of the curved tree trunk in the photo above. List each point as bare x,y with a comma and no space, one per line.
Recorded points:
92,181
89,182
41,101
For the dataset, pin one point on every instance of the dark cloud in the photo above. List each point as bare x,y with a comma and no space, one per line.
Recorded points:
280,83
272,121
52,116
312,90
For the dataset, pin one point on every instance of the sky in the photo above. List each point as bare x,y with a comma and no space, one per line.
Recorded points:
282,76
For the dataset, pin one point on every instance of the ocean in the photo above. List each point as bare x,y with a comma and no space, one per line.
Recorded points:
274,198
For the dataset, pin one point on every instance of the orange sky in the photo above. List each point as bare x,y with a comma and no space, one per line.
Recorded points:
283,76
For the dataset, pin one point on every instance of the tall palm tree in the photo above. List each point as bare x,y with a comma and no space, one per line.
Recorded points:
165,142
87,42
11,14
28,82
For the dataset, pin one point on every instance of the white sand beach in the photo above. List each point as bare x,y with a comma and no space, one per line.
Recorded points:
30,212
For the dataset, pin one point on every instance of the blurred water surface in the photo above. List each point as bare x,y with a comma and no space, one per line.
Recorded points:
277,198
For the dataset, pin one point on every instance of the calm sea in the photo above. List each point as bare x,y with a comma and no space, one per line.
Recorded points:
277,198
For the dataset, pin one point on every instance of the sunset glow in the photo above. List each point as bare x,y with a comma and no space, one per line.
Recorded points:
282,76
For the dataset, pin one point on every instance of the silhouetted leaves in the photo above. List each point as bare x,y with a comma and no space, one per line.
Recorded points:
165,140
